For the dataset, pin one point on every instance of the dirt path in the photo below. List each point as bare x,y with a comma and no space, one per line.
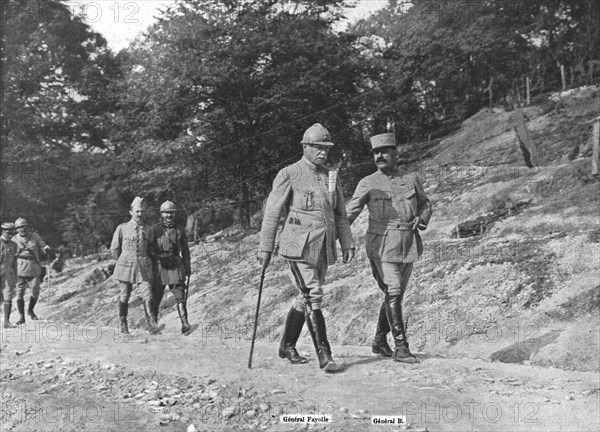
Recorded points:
67,377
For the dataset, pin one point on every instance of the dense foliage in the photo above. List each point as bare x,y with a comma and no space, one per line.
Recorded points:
207,105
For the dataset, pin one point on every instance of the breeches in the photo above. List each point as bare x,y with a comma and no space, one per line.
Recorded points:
392,278
23,282
7,286
144,290
178,291
309,279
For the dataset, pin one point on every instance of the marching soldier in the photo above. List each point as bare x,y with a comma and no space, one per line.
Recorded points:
398,208
130,247
310,198
8,270
171,262
30,247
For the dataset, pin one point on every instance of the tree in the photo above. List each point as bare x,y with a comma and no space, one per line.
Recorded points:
55,76
437,60
236,83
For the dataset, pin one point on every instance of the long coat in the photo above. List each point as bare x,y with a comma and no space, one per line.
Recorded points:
313,216
130,247
393,202
170,243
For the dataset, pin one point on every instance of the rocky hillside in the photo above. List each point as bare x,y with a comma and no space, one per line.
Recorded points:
525,292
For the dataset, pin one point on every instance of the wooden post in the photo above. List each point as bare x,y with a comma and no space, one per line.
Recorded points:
195,229
518,123
528,91
596,146
572,75
563,77
491,92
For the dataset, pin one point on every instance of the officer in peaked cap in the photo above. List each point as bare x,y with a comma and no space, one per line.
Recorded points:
30,247
310,198
398,210
171,262
8,270
131,248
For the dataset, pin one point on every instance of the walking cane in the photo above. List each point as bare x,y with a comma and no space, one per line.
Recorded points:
262,279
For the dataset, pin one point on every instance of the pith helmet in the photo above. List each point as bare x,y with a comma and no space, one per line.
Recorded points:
137,203
21,222
168,206
317,134
8,226
383,140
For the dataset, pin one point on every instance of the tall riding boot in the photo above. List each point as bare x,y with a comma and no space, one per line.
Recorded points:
151,324
312,331
7,309
21,309
123,309
318,331
158,293
394,314
32,302
291,333
380,344
183,316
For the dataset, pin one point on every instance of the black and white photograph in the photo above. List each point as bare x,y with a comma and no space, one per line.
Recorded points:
300,215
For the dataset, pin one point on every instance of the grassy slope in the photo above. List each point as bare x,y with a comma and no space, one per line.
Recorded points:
528,291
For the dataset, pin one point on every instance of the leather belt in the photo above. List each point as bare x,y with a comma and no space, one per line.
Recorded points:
317,216
393,225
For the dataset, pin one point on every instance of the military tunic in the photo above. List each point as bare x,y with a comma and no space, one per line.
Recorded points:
170,243
170,249
8,268
391,243
29,252
130,247
313,219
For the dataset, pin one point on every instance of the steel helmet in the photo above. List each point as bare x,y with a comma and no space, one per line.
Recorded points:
21,222
8,226
168,206
317,134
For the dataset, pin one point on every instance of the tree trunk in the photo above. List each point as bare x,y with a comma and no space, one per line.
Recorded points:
244,207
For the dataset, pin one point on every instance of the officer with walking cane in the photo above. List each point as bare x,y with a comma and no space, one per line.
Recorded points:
311,199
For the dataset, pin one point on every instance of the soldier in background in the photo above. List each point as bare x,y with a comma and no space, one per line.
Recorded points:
8,270
398,209
171,262
30,248
131,248
310,199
